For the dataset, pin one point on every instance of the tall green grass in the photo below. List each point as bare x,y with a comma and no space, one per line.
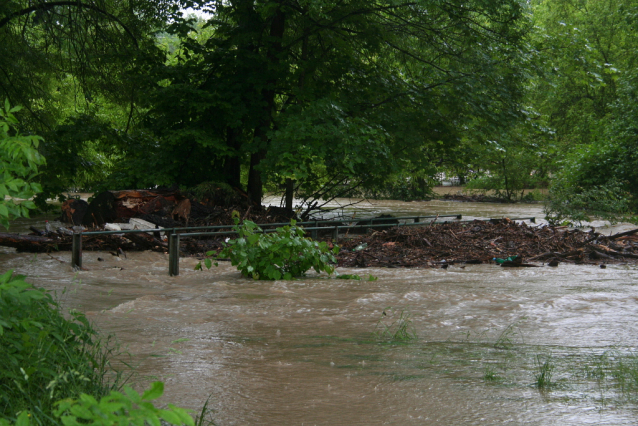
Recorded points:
393,329
545,371
46,357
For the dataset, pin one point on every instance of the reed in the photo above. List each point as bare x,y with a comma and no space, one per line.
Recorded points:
545,368
393,329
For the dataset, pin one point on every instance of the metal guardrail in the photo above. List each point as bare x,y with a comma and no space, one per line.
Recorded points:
174,234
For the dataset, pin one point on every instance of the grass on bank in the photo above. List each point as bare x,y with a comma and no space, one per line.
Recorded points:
57,371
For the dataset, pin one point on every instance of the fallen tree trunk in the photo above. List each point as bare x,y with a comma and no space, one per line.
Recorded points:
38,244
34,243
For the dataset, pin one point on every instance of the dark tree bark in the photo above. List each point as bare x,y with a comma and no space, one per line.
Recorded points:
232,164
273,51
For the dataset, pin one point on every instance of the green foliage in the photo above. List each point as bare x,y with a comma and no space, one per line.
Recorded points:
71,66
545,368
45,357
128,408
512,160
404,186
586,93
122,409
355,277
570,203
19,163
321,96
587,47
391,329
509,179
215,193
283,254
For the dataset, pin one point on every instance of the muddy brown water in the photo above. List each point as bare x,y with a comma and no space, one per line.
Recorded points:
304,352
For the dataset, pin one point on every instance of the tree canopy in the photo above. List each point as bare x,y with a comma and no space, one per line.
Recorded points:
314,99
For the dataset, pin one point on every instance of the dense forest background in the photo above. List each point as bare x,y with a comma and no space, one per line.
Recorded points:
313,99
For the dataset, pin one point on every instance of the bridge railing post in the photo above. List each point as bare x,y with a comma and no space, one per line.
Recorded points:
173,254
76,250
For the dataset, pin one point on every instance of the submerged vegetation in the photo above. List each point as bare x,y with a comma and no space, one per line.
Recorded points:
395,327
609,377
283,254
545,371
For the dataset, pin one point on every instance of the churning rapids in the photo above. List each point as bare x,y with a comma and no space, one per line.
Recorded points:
304,352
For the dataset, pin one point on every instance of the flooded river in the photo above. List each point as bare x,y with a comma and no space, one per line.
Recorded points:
314,351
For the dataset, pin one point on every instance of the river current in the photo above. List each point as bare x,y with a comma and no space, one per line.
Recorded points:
313,350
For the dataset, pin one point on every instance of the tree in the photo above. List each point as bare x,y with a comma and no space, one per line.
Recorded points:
77,67
19,163
313,96
586,96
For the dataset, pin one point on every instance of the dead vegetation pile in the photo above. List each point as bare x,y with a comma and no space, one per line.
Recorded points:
481,241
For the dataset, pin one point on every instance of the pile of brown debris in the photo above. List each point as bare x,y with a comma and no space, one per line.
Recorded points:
434,245
482,241
165,208
157,208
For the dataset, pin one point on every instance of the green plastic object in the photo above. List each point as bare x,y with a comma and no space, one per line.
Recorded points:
501,261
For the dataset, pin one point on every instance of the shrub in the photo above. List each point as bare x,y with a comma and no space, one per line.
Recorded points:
116,408
128,408
19,162
283,254
571,204
44,356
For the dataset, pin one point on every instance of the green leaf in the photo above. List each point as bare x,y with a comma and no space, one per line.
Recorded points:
23,419
170,417
156,390
185,418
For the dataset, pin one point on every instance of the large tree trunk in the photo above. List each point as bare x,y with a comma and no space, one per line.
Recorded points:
232,164
290,192
255,187
255,183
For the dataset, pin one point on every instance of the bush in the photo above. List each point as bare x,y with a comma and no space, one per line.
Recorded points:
128,408
283,254
19,162
122,409
44,356
572,204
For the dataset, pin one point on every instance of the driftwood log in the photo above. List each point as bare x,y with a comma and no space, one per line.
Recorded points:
40,244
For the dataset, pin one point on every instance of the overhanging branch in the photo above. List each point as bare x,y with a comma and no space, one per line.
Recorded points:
46,6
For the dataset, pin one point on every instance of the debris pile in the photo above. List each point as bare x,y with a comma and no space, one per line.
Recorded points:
482,241
433,245
165,208
473,198
156,209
